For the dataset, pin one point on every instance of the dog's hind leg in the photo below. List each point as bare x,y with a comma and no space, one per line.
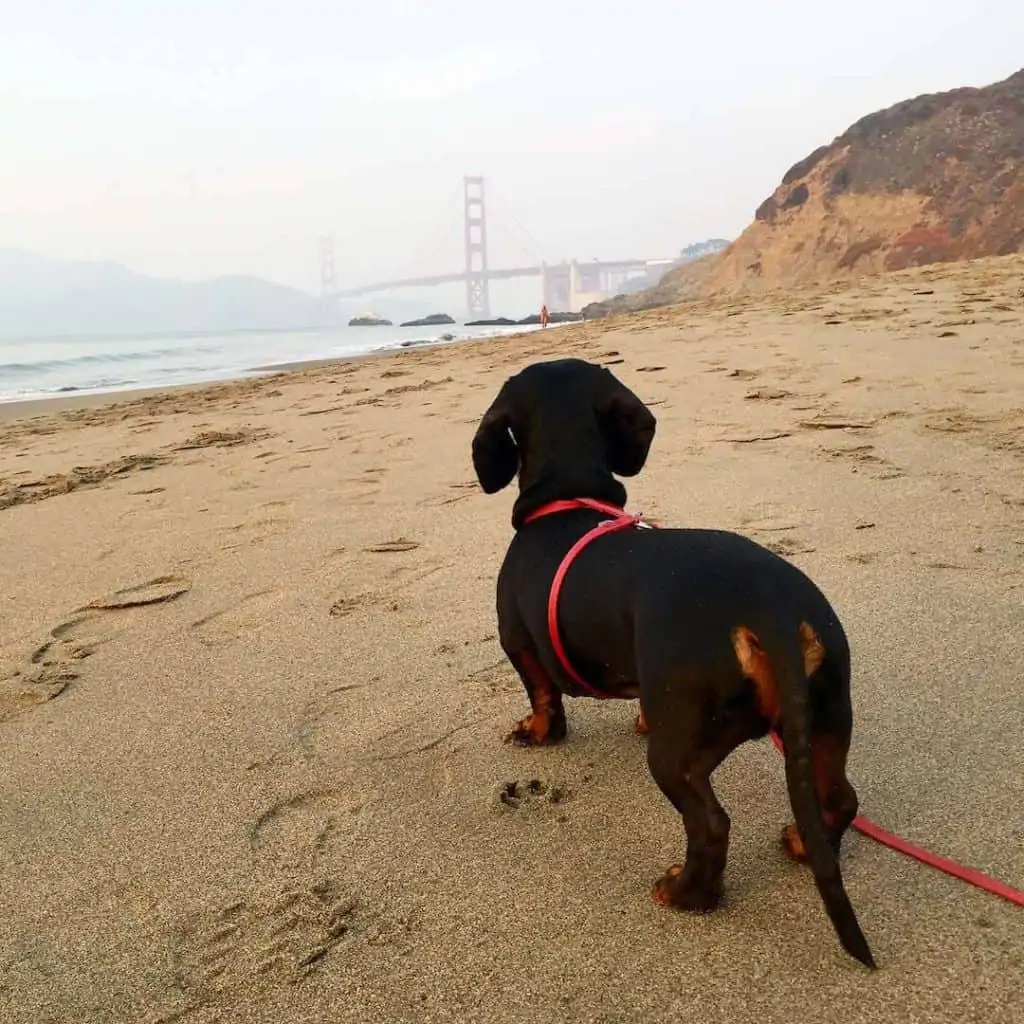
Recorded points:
683,774
682,757
546,721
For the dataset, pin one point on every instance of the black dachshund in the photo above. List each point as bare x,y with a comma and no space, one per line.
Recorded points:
721,639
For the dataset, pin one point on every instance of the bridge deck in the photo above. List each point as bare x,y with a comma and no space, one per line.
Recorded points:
492,275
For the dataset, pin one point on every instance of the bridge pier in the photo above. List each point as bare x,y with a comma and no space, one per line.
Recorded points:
556,287
588,285
568,287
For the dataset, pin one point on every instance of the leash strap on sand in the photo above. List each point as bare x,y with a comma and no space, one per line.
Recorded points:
868,828
621,520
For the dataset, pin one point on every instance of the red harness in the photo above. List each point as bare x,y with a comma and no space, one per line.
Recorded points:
622,520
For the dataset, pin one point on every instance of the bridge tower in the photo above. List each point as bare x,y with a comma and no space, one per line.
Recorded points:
328,281
478,299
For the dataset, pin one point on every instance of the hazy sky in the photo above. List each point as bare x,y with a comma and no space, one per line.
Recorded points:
202,137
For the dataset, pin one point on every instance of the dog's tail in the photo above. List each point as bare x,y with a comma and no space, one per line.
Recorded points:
793,692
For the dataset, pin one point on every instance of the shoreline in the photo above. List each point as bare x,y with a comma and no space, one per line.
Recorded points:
46,405
262,363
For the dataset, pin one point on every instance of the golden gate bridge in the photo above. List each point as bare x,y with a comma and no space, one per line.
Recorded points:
565,286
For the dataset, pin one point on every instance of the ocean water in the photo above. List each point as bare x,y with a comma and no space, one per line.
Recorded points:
41,368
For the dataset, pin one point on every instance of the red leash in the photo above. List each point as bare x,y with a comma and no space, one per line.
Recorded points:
621,520
868,828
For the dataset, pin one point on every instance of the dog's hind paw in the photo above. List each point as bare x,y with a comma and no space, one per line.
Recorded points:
673,889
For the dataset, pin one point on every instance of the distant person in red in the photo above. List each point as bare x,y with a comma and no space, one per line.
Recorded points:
544,316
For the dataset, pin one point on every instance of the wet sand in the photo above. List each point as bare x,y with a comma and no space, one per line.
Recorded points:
252,703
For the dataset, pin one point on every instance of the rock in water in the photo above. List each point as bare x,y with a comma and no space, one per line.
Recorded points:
434,320
369,320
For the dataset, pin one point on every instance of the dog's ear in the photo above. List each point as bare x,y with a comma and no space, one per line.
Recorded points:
495,455
628,427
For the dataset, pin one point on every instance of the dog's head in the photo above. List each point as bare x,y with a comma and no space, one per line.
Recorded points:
566,427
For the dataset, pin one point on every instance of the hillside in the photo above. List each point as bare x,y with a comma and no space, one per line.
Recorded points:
932,179
40,296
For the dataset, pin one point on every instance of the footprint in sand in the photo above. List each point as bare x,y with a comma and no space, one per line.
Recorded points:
56,663
788,547
228,625
863,557
773,435
497,678
457,492
262,525
262,528
325,410
520,794
293,832
865,456
79,477
347,605
266,938
364,489
159,590
427,385
766,394
391,546
222,439
402,577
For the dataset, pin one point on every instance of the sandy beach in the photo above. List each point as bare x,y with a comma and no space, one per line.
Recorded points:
252,702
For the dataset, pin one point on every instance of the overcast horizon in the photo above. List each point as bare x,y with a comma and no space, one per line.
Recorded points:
226,137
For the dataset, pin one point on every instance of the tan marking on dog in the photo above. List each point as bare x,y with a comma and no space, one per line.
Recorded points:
534,728
541,717
641,723
755,666
828,759
793,844
812,648
664,890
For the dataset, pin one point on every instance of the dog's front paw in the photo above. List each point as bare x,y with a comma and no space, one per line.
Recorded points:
675,889
536,730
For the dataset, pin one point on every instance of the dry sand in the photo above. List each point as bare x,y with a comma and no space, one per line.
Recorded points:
252,704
